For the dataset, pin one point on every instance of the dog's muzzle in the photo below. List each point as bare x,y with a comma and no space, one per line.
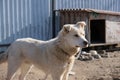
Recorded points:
85,42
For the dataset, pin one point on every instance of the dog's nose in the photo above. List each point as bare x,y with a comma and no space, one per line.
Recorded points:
85,42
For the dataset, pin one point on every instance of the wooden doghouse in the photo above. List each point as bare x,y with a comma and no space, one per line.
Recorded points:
103,27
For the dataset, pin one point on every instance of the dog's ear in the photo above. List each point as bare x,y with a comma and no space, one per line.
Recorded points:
66,28
81,24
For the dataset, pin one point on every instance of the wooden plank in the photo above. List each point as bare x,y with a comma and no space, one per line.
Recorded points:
103,44
112,32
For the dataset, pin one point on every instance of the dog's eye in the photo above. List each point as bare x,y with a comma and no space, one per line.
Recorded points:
76,35
82,34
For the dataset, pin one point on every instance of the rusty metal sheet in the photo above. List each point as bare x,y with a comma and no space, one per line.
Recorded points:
112,32
91,11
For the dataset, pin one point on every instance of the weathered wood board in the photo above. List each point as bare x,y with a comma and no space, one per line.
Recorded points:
112,32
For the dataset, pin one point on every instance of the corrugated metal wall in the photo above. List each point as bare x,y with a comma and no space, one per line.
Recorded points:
25,18
32,18
112,5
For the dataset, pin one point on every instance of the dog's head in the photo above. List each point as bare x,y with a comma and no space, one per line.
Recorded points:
74,35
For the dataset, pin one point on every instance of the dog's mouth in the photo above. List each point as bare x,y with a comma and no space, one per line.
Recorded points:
77,46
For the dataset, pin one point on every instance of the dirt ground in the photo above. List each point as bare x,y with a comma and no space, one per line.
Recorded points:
98,69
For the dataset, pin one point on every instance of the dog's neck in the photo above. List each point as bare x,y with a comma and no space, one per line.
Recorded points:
64,53
67,48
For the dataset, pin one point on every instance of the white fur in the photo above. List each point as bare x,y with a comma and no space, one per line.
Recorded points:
55,56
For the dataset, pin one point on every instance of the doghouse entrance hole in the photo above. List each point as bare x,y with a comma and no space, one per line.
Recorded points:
97,29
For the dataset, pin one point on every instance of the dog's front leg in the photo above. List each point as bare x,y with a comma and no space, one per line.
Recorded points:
46,75
69,68
66,75
57,75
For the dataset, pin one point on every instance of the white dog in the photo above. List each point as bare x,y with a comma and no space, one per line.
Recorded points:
55,57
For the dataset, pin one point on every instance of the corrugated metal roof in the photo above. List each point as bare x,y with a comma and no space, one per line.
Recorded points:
92,10
111,5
